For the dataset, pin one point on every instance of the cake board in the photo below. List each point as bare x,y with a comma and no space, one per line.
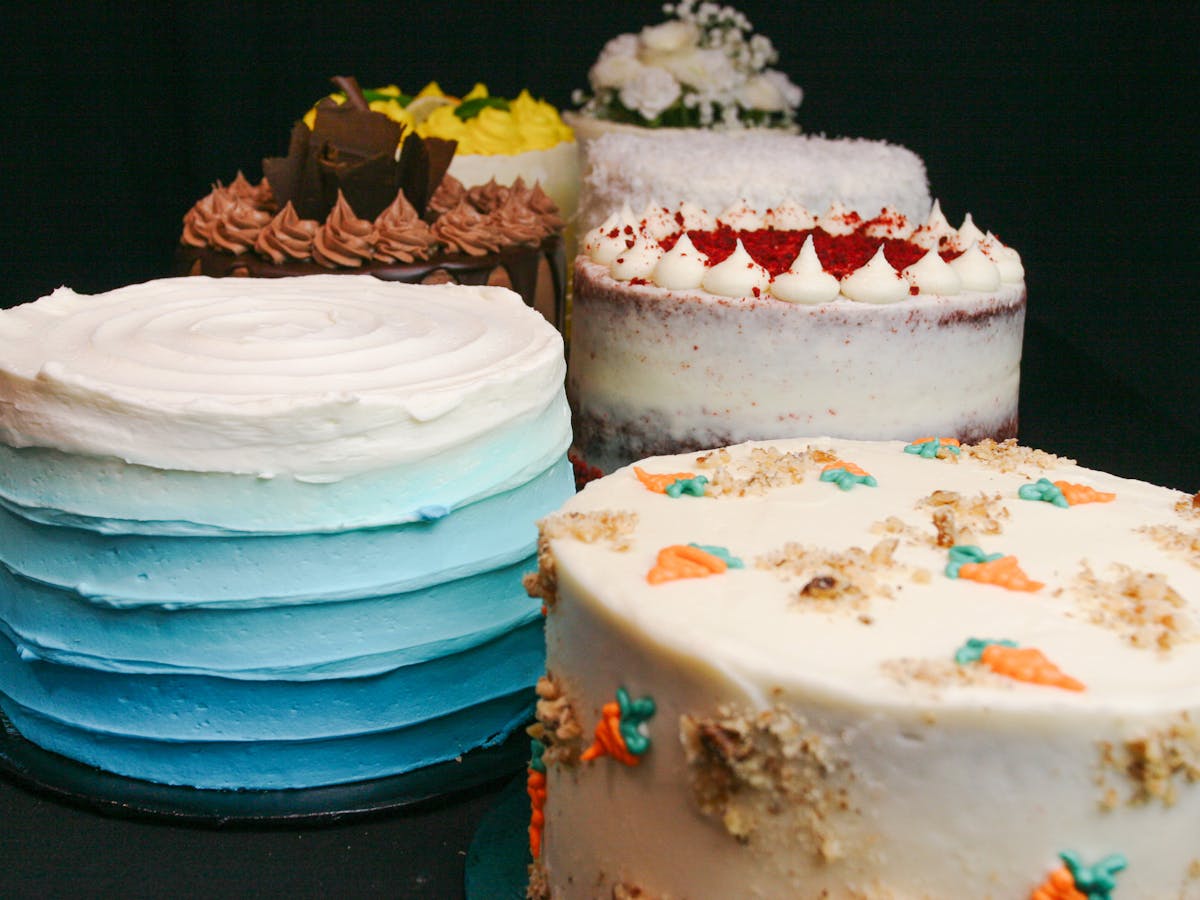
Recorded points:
81,785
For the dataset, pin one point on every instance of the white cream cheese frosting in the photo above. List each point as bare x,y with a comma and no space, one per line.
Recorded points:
824,725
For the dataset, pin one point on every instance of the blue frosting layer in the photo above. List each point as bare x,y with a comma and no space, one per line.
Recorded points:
61,489
172,571
278,764
173,708
216,658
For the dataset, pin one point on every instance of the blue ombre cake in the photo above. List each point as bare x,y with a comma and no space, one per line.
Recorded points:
269,533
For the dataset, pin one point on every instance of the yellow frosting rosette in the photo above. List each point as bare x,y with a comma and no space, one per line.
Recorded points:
482,124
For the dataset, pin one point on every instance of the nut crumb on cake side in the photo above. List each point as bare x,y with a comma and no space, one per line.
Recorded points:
1156,765
744,768
615,527
1141,607
557,726
538,887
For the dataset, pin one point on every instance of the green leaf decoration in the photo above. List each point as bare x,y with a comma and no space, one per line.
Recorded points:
469,109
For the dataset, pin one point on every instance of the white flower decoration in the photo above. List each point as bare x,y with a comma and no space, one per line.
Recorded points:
621,45
669,37
614,71
704,70
650,92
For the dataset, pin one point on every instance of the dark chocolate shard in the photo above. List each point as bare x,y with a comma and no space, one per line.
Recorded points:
352,149
355,133
369,185
348,85
423,165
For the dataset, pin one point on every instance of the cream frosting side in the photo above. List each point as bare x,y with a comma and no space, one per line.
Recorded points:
652,368
906,742
319,377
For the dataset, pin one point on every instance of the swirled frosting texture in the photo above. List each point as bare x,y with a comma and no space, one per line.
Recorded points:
319,377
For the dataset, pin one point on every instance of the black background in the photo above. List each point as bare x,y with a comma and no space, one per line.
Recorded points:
1069,129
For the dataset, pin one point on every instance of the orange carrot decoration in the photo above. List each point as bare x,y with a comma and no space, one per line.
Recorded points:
684,561
1059,886
968,561
1063,493
934,447
674,485
1082,493
658,483
846,475
608,740
535,787
618,733
1003,572
1075,881
1027,664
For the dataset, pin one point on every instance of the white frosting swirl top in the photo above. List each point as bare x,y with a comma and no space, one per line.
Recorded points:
978,273
876,282
1007,260
639,260
789,216
682,267
738,275
635,251
741,217
658,221
806,281
933,275
317,377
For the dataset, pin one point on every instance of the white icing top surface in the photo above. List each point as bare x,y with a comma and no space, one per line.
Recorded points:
755,626
319,377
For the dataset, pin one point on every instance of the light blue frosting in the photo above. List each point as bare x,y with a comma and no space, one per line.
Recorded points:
53,487
216,658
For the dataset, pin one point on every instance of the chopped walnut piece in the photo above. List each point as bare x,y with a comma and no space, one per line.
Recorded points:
1176,541
539,885
940,673
1155,765
1009,456
764,469
1140,606
823,587
614,527
836,579
963,520
747,767
557,725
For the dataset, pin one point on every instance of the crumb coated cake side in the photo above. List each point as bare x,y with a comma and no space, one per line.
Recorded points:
693,331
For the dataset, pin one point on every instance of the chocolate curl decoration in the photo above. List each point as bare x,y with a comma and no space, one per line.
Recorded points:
352,149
